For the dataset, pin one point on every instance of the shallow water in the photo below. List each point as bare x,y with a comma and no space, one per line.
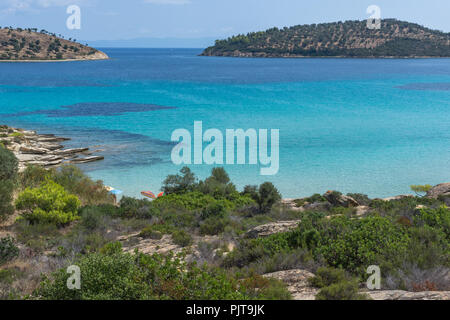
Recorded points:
356,125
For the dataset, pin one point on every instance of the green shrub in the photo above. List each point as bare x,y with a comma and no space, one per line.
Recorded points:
8,177
188,201
335,284
122,276
6,198
436,218
49,203
421,190
267,196
35,236
136,208
362,199
326,276
218,185
182,238
33,176
112,248
79,184
215,210
266,288
18,135
93,217
151,233
356,244
345,290
213,226
8,165
104,277
180,183
8,249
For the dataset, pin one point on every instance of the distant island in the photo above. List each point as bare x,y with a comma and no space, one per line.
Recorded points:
395,39
31,45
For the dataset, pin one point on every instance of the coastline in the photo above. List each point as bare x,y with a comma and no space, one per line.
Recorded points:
63,60
99,55
47,150
263,56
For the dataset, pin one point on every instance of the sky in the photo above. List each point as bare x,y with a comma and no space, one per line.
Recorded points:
206,19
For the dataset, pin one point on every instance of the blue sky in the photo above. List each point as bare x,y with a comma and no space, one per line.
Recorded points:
127,19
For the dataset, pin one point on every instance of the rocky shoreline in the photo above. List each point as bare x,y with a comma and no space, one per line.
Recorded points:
47,150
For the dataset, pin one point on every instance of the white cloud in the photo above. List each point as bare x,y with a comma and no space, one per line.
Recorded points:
173,2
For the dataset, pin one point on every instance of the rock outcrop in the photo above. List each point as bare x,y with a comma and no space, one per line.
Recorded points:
297,283
400,197
406,295
338,199
268,229
442,189
45,150
166,245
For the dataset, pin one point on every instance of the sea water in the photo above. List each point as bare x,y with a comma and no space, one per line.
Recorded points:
374,126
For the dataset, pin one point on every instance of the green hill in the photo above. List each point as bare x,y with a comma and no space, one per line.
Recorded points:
29,44
339,39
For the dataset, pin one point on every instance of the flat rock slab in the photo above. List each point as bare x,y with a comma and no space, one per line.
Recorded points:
31,150
405,295
71,151
44,150
297,283
268,229
87,159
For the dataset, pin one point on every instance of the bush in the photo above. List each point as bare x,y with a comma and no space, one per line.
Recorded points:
49,203
266,288
356,244
8,165
213,226
316,198
122,276
215,210
111,248
151,233
267,196
436,218
156,231
335,284
327,276
136,208
8,249
77,183
6,198
182,238
345,290
33,176
180,183
8,177
93,217
421,190
217,185
189,201
362,199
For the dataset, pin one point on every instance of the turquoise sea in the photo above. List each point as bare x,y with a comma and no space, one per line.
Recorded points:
355,125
